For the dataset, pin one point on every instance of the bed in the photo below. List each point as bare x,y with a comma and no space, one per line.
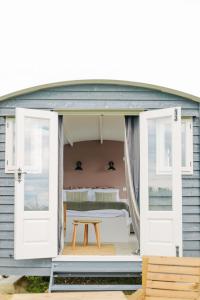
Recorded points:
98,204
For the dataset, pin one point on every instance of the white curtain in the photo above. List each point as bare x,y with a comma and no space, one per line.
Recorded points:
60,183
132,168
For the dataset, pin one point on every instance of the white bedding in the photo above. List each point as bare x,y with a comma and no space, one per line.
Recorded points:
101,213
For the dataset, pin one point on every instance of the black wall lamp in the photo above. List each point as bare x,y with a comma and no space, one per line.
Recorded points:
111,166
78,166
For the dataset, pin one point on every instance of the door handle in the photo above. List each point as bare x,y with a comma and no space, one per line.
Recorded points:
19,174
177,251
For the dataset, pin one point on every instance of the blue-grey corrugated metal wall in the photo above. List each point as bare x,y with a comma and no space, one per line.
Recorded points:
93,96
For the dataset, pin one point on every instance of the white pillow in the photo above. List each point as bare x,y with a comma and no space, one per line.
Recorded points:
109,190
91,196
72,191
91,192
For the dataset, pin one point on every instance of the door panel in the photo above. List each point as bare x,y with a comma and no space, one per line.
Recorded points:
160,182
36,184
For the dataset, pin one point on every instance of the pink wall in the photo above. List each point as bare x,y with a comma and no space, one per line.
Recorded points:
94,157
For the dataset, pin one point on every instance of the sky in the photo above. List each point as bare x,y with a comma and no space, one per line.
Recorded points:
149,41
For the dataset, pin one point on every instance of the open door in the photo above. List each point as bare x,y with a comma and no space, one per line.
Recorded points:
36,184
160,182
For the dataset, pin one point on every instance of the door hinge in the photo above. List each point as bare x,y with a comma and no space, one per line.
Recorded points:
175,114
19,174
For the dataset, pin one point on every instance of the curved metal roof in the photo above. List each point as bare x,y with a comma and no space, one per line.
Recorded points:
100,81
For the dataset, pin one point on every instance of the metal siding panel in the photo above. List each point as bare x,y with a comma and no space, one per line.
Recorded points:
6,208
6,200
7,235
36,263
6,226
192,253
4,191
6,218
191,245
25,271
191,227
100,95
127,100
4,244
7,182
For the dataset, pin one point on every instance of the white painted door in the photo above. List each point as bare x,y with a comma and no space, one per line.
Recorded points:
36,187
160,182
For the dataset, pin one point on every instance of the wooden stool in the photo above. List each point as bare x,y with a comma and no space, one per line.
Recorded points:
86,223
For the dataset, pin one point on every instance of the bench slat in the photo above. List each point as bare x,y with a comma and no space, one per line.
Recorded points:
174,269
173,277
172,294
175,261
172,286
164,298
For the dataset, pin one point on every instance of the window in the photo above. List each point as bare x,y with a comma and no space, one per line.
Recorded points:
187,146
164,151
163,146
10,145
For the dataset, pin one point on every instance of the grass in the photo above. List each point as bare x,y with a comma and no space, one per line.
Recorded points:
37,284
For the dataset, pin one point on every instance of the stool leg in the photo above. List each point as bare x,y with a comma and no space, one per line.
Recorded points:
74,237
85,235
96,227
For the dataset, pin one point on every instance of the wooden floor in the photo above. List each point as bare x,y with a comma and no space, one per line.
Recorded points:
105,249
71,296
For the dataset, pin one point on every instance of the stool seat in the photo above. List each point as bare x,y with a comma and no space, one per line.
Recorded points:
89,221
85,222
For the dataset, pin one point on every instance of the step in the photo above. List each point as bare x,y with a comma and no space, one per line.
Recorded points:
94,287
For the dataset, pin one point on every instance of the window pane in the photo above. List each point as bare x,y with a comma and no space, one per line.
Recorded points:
13,140
36,164
167,145
159,184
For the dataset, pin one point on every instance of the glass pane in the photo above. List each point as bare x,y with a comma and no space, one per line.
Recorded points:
13,141
167,145
159,183
36,164
183,140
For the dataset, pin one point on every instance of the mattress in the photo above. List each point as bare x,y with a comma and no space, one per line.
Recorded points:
100,213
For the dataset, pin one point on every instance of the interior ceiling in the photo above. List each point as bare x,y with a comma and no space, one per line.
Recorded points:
89,128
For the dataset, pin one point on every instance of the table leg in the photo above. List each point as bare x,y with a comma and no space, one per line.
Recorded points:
96,227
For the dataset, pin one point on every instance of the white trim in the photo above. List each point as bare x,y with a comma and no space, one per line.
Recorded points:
9,141
98,258
188,169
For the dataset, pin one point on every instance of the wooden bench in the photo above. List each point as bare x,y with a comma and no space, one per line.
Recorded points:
169,278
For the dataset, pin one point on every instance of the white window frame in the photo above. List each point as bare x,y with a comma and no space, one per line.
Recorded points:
9,167
161,169
188,168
